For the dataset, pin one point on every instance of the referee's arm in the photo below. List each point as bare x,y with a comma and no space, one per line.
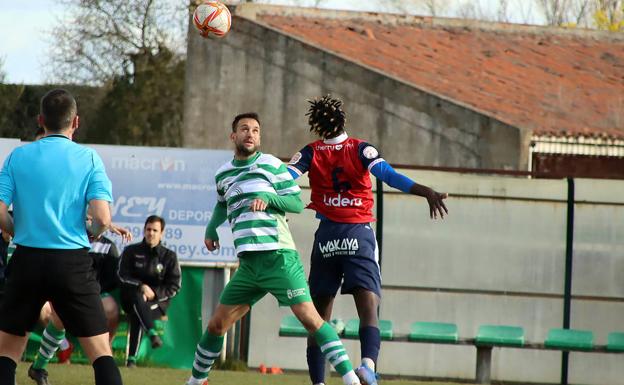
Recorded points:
100,211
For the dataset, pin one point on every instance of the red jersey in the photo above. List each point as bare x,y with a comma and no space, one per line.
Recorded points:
338,169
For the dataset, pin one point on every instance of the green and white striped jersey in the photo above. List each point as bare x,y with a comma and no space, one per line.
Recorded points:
239,182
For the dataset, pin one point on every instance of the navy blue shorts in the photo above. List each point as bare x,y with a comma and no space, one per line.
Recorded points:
344,253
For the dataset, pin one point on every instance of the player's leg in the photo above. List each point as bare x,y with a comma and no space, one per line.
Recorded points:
367,303
11,350
111,310
327,339
141,315
76,299
324,280
286,281
51,339
362,278
314,356
236,299
211,342
20,308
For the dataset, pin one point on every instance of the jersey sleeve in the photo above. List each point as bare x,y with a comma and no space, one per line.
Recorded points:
284,184
299,164
99,187
388,175
369,155
220,193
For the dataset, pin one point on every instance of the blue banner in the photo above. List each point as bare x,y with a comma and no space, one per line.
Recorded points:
176,184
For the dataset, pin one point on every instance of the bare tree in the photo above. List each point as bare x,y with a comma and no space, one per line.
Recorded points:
561,12
429,7
501,13
471,9
525,11
103,39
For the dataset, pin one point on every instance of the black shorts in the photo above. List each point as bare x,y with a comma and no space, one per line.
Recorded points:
344,255
66,278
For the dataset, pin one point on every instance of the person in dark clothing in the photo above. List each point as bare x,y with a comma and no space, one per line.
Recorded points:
150,277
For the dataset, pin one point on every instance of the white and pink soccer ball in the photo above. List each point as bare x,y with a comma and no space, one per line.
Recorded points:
212,19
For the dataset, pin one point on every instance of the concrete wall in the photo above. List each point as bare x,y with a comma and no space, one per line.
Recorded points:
260,69
498,258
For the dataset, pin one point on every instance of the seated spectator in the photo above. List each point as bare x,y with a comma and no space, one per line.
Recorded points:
150,277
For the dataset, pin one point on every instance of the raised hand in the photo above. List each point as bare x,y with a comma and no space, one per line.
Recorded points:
436,204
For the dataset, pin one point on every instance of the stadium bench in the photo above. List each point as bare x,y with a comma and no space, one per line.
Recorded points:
291,327
352,329
487,338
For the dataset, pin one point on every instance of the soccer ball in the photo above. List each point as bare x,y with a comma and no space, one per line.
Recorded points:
212,18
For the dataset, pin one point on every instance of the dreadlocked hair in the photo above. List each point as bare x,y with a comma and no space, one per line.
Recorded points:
326,117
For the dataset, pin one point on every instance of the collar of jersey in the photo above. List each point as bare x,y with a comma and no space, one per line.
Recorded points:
55,136
246,162
339,139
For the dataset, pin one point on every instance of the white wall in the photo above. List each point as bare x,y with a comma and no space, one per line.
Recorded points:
503,234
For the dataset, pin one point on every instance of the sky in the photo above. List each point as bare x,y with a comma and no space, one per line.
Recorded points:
25,27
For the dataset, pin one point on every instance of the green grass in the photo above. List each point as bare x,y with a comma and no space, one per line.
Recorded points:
83,375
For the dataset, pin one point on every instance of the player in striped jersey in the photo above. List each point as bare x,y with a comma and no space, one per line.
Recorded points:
254,192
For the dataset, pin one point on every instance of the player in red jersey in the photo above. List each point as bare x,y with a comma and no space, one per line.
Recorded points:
345,248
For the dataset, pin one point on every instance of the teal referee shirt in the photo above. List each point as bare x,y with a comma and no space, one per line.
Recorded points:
50,182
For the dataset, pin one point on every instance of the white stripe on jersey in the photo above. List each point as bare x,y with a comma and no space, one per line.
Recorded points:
248,186
376,161
258,247
289,190
100,247
253,216
273,178
295,169
255,231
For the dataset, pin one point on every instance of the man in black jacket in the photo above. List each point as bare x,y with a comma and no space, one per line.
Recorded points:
150,277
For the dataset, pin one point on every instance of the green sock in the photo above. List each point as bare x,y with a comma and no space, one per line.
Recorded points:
50,341
332,349
208,350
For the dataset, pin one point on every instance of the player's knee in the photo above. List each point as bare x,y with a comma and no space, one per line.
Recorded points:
217,326
45,314
308,316
111,310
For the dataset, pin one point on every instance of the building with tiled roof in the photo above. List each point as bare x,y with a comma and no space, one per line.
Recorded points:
434,92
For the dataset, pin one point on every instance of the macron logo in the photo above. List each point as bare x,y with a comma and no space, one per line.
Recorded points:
339,201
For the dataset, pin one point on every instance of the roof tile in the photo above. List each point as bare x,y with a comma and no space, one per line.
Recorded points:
563,85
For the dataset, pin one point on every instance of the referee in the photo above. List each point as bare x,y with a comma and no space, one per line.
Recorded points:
50,183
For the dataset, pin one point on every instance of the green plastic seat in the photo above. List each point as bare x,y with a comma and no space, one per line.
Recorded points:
434,332
570,339
352,329
290,326
615,342
500,335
